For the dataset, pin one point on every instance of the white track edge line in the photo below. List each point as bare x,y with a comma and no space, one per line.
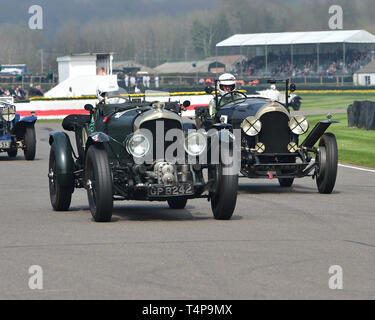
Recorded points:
356,168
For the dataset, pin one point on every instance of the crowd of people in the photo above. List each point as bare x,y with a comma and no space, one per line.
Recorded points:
306,65
19,93
134,82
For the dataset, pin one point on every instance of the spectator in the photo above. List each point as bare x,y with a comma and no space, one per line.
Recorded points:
144,80
12,91
35,92
102,72
156,81
148,80
132,81
127,81
71,93
21,94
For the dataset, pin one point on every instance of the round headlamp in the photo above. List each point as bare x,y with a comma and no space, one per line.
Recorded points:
195,143
138,145
251,126
8,113
299,125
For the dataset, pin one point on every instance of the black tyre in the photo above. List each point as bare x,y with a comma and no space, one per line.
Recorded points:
328,162
224,193
60,196
286,182
12,153
99,184
30,143
177,203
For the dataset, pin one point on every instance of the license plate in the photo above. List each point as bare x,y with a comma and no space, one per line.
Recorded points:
5,144
171,191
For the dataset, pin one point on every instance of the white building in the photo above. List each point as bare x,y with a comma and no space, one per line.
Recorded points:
365,76
82,72
84,64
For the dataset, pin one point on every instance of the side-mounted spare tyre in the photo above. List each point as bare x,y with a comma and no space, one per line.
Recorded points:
99,186
327,159
30,143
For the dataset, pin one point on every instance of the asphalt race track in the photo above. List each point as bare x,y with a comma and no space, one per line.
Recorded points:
280,243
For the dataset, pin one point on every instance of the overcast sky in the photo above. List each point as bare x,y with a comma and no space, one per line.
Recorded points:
57,11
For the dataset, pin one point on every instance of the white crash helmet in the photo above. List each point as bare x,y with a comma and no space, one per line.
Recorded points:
227,83
104,88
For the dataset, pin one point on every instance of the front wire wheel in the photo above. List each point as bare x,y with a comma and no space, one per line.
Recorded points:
60,196
99,186
30,143
327,160
224,192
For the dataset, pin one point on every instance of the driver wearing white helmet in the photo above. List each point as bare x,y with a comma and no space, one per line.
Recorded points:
105,89
226,84
107,92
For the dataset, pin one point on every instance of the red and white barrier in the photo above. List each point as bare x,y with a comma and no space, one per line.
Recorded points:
53,109
59,109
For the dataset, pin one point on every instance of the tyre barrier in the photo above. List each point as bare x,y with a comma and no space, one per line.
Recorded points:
361,114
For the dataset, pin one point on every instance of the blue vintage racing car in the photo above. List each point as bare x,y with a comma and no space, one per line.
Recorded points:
16,132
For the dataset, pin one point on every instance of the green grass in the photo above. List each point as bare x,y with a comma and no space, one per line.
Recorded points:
356,146
50,121
330,101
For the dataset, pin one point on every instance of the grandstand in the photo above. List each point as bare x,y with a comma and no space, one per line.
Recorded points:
293,54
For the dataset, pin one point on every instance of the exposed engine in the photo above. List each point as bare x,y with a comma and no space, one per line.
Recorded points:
165,173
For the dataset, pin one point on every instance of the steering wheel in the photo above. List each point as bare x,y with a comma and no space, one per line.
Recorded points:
232,95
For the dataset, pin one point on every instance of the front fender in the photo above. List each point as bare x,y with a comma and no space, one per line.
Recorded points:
64,169
20,125
29,119
189,126
97,137
224,133
316,133
218,139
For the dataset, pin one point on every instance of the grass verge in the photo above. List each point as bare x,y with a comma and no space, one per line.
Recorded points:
330,101
356,146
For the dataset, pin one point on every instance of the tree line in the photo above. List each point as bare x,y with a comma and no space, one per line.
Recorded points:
193,35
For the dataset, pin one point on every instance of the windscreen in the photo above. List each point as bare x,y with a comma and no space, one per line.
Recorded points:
117,97
155,95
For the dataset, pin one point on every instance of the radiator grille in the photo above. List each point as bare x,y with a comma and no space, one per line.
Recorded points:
168,125
275,133
3,127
